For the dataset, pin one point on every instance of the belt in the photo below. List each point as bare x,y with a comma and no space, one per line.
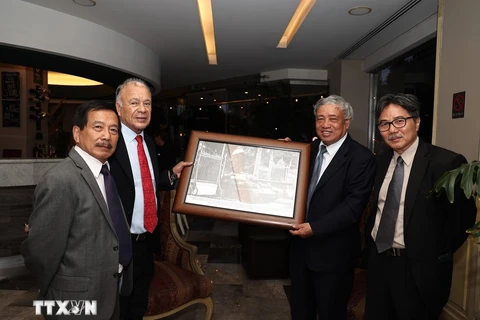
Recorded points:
141,237
394,252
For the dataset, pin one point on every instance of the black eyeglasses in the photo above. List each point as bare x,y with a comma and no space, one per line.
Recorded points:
397,123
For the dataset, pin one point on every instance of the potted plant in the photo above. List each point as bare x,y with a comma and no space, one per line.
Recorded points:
467,177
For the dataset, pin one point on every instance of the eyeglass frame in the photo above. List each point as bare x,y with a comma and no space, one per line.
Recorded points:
391,123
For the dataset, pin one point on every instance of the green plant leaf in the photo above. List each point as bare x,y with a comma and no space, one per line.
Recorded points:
478,181
450,187
441,184
474,228
467,179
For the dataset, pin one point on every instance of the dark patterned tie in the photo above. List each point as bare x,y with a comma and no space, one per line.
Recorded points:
386,228
150,218
118,218
315,173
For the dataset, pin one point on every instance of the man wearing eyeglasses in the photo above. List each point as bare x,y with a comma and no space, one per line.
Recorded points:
411,234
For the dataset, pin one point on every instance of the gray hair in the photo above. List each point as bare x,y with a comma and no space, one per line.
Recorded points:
136,81
343,105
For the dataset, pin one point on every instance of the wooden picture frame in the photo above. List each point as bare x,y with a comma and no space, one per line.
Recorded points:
244,179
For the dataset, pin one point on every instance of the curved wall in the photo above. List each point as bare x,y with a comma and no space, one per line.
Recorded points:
37,28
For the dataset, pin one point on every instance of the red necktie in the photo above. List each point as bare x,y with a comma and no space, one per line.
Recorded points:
149,207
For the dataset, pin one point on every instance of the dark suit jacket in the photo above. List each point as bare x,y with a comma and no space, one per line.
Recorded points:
336,208
122,172
72,248
433,228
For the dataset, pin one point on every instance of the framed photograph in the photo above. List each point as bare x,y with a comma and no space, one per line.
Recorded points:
244,179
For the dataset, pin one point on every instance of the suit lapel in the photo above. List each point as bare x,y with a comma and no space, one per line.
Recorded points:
336,163
419,167
313,155
92,183
122,156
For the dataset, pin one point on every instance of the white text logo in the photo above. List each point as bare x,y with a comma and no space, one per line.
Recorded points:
66,307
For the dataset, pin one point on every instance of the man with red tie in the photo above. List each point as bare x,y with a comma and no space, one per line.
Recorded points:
134,167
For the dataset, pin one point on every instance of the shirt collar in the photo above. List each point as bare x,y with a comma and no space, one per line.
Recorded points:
408,154
333,148
94,164
128,134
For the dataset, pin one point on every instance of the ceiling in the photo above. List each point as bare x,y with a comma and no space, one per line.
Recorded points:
247,32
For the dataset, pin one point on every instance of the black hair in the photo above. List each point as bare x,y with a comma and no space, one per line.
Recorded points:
409,102
80,118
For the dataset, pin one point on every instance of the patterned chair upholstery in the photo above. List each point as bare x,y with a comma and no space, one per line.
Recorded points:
178,281
356,304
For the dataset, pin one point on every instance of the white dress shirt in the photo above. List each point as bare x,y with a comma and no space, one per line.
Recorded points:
331,152
407,156
129,136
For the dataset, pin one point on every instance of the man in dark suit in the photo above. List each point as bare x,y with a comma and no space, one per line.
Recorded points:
135,169
411,234
324,248
77,248
166,153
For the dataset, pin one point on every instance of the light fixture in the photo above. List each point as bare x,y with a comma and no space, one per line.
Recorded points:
297,19
246,92
206,19
85,3
63,79
360,11
201,98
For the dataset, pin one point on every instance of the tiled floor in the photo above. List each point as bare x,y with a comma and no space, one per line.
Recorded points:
236,297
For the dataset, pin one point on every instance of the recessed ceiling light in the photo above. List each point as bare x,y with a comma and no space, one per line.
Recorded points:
85,3
360,11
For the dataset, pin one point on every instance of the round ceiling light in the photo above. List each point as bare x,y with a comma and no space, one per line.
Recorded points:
360,11
85,3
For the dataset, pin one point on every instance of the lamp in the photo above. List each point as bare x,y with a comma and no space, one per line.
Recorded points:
297,19
63,79
206,20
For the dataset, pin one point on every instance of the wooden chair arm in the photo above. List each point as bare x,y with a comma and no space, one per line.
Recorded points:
174,248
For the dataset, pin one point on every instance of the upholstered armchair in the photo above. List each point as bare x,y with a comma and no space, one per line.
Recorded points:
178,281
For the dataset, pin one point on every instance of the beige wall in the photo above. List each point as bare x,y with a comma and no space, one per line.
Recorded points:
347,79
459,70
458,52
